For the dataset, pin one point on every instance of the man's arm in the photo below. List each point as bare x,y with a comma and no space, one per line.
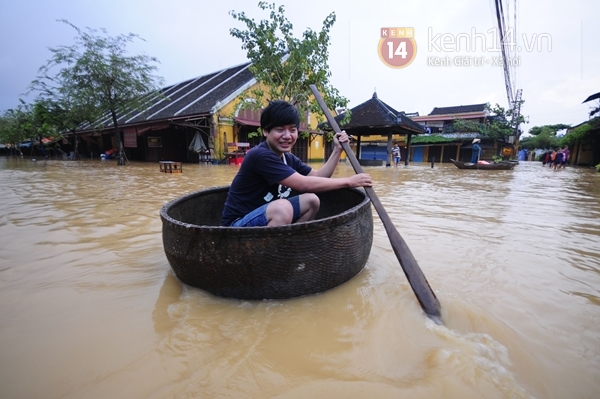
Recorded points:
317,184
329,167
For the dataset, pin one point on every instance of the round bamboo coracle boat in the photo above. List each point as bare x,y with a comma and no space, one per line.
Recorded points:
267,262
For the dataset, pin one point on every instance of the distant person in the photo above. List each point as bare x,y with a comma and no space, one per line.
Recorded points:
558,159
273,186
476,151
566,154
546,158
552,158
396,154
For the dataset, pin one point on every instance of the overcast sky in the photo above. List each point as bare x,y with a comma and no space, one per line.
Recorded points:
191,38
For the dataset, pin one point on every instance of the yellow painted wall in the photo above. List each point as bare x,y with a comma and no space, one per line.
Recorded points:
223,130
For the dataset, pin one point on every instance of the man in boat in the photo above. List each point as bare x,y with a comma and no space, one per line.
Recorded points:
476,151
274,187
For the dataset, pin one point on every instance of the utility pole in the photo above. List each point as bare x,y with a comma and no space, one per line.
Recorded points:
513,102
515,117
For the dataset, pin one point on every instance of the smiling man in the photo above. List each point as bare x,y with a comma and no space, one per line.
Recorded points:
274,187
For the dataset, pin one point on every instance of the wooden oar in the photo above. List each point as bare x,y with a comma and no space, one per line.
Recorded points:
415,276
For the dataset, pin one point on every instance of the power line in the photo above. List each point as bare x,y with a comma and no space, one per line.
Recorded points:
502,35
508,49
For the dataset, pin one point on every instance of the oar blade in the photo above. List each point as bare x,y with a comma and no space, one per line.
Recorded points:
413,272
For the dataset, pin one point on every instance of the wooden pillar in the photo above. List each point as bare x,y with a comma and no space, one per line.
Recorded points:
389,150
408,147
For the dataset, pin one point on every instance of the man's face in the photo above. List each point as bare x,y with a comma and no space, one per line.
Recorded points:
281,138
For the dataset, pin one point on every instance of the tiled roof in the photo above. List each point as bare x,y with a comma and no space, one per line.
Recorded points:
459,109
374,113
189,98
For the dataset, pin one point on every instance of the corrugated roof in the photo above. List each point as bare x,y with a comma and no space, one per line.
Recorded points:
458,109
193,97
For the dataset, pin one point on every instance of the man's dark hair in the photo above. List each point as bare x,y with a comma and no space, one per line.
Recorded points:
279,113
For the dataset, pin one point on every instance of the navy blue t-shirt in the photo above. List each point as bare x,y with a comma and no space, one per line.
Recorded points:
257,181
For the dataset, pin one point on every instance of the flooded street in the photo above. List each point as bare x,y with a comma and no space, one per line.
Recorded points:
89,307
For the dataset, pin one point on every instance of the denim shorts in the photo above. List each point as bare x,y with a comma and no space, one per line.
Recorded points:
258,217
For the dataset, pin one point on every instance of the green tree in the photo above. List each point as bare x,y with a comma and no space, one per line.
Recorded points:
11,128
545,137
67,108
595,109
502,124
285,65
462,125
551,129
96,76
26,122
43,124
544,140
586,133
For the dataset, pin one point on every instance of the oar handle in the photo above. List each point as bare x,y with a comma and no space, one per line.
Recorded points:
413,272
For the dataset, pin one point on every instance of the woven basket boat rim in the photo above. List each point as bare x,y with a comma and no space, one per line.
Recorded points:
340,217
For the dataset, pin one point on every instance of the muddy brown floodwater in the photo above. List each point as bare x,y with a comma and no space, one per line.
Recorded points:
89,307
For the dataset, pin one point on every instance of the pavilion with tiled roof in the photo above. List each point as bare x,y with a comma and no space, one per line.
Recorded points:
375,117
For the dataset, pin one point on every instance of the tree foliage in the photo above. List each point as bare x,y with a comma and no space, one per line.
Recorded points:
550,129
595,109
96,76
14,126
586,133
544,140
503,123
284,65
545,136
431,139
64,100
27,122
467,126
499,125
